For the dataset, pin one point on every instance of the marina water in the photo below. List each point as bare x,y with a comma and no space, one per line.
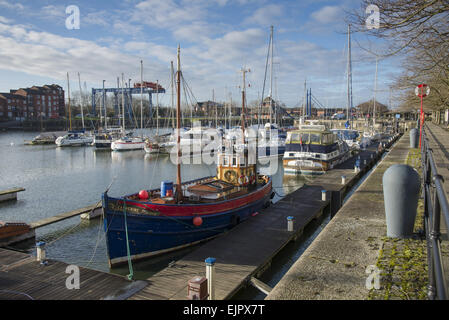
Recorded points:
58,180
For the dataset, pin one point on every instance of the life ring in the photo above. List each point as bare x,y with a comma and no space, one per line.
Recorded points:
230,175
243,180
252,178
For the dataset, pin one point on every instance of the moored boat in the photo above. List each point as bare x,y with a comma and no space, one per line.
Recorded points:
151,222
313,149
74,138
103,139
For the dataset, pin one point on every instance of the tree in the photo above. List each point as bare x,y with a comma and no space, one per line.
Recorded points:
368,107
419,31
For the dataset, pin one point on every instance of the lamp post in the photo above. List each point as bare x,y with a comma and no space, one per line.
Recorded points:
419,91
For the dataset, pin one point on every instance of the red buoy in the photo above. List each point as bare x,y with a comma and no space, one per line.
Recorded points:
197,221
143,194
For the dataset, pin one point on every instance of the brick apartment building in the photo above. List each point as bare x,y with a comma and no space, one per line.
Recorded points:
32,103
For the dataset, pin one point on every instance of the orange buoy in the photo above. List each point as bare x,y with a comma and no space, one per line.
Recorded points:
197,221
143,194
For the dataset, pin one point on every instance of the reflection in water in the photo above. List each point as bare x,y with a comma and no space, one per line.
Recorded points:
58,180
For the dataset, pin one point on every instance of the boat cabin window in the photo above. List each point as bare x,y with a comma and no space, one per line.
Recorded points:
315,138
304,138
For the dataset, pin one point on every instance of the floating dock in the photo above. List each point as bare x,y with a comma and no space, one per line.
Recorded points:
22,277
86,212
10,194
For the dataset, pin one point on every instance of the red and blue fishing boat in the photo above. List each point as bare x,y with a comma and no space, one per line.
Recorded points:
152,222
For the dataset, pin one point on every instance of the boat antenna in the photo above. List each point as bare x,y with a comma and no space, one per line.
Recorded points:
178,127
68,94
81,100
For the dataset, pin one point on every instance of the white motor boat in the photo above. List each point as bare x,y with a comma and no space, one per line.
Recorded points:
128,143
74,138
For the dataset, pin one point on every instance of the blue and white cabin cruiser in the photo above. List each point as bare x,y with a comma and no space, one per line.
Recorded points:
313,149
74,138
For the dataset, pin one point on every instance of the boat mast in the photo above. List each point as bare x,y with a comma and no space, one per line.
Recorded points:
244,71
375,89
68,94
178,127
349,105
123,103
105,109
81,100
271,72
157,107
172,92
141,97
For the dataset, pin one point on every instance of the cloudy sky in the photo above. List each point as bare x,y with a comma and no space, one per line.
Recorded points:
217,39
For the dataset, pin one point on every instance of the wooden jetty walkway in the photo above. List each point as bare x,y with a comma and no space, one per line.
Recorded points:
10,194
24,278
66,215
245,252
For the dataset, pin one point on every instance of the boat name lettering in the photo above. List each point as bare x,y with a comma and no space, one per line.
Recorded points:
132,209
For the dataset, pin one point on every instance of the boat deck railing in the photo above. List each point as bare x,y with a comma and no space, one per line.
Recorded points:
436,208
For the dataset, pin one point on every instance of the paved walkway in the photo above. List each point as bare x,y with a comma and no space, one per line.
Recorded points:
334,265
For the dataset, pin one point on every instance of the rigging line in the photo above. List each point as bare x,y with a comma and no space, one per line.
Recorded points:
130,265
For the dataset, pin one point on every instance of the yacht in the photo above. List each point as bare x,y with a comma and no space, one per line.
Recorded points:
128,142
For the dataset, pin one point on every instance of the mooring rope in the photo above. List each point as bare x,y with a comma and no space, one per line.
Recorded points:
130,265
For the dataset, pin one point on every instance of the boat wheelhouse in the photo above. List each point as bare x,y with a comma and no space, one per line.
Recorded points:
313,149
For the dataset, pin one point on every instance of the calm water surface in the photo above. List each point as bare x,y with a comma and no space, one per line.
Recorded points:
63,179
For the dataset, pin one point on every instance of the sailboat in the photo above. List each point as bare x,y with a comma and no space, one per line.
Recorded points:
73,138
181,214
127,141
272,142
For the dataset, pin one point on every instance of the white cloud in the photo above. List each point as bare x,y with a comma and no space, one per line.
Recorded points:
266,15
9,5
5,20
328,14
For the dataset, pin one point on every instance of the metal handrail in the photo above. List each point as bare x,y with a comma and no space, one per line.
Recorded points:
435,205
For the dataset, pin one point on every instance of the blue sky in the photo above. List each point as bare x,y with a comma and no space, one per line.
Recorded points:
217,38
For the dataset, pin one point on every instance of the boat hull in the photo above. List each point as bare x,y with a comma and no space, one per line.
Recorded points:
151,232
124,146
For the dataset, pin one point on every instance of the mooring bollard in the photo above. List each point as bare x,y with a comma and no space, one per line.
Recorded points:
357,165
414,138
290,223
343,179
40,251
323,195
401,186
210,275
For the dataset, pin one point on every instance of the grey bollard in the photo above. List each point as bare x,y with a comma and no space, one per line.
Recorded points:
401,187
414,138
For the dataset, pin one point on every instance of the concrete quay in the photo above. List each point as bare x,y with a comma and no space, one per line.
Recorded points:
334,266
